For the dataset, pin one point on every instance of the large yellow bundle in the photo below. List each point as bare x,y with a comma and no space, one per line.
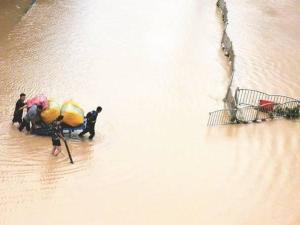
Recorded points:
51,113
73,113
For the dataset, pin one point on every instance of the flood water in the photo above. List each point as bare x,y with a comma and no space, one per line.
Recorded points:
157,69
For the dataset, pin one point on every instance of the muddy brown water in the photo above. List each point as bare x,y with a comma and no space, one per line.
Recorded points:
156,68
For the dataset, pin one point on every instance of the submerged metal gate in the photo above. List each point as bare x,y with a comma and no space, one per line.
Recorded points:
252,97
248,108
245,105
220,117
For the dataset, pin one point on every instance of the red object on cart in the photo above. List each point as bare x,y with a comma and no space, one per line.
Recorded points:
266,105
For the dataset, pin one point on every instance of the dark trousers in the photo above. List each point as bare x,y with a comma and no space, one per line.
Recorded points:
17,118
89,129
26,124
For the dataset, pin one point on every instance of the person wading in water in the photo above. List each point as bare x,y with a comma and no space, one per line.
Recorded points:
33,115
56,135
18,113
91,122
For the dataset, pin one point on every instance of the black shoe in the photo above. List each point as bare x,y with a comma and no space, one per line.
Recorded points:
91,138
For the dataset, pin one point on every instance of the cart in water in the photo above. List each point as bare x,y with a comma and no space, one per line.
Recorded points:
45,129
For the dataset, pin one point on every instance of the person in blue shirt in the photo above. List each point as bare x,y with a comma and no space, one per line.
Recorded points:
32,116
91,122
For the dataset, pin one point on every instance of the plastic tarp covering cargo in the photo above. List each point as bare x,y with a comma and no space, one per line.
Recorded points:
73,113
51,113
38,100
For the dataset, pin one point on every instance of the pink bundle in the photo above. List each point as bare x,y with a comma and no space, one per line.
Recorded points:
38,100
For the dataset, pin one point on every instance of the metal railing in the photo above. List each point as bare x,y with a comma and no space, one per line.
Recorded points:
252,97
220,117
247,105
250,108
289,110
253,114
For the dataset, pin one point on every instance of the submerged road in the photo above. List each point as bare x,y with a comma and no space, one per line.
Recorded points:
157,69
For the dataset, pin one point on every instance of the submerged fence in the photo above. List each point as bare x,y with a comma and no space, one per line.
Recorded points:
220,117
252,97
246,105
227,47
256,106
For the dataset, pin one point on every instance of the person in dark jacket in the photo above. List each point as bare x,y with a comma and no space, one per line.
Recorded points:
18,113
56,135
91,122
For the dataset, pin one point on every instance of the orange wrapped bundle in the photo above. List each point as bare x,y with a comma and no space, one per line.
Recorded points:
51,113
73,113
